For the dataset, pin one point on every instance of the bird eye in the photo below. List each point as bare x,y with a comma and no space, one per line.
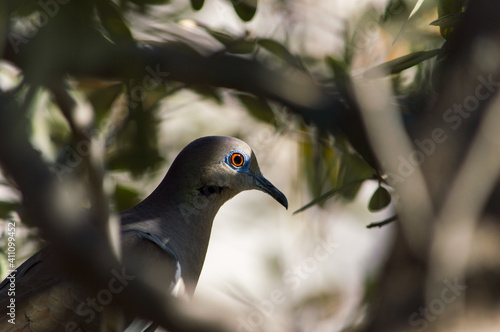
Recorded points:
237,159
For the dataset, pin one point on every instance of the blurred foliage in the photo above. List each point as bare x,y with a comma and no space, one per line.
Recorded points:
330,164
46,37
54,44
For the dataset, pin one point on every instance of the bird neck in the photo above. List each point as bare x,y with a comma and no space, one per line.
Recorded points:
182,216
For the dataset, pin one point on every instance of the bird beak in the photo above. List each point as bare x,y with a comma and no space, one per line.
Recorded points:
264,185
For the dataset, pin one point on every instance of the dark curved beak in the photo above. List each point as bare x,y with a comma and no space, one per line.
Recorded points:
264,185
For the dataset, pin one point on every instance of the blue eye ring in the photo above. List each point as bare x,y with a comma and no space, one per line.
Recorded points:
237,160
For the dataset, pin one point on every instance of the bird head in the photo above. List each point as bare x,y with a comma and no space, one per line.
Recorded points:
221,167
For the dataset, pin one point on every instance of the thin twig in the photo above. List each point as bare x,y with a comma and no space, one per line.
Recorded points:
383,222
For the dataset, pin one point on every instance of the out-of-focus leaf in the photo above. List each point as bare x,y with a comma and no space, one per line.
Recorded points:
341,76
258,107
327,166
448,21
113,21
208,91
354,170
125,197
245,8
380,199
280,51
397,65
415,9
197,4
233,44
102,98
135,148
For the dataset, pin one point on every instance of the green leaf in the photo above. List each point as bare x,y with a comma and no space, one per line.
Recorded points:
258,107
399,64
341,76
448,21
208,92
125,197
380,199
280,51
102,98
197,4
245,8
112,20
353,171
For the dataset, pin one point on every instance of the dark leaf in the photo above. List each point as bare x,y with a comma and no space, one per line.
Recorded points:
135,148
197,4
233,44
125,197
245,8
102,98
448,21
341,76
208,92
280,51
397,65
380,199
354,170
113,21
258,107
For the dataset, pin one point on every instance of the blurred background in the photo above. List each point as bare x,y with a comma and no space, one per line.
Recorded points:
375,118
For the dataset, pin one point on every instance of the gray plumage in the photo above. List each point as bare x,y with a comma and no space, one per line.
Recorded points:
164,238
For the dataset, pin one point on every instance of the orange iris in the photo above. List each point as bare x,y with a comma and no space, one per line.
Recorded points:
237,159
